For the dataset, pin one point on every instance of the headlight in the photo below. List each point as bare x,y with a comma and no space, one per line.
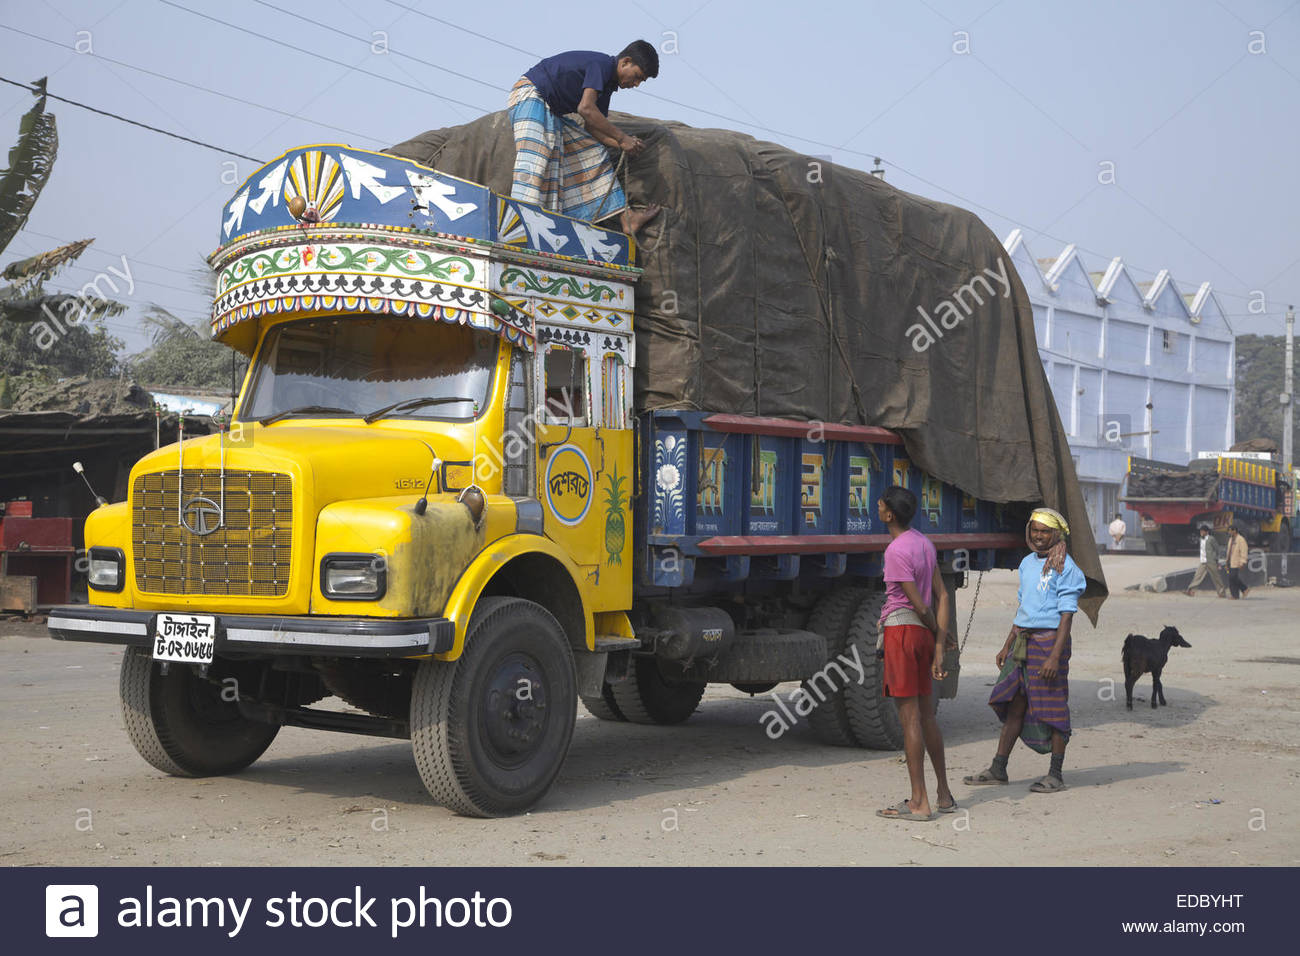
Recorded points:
354,577
106,572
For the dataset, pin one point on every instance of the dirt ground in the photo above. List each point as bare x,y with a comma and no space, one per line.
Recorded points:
1212,779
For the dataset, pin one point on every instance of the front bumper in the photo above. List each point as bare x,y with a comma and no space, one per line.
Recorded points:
266,634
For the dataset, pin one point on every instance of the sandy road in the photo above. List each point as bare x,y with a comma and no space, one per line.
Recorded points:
1211,779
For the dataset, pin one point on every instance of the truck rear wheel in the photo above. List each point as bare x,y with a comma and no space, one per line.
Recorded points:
603,707
872,717
490,730
649,697
831,618
184,724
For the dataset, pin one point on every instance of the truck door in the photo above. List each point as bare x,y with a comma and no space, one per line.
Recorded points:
585,459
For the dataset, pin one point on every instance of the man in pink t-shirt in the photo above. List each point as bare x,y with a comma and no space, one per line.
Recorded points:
914,638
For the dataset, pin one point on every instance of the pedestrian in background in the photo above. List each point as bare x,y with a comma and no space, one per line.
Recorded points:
1209,564
1117,531
1238,555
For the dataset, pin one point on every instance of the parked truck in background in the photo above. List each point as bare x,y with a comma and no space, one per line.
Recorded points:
437,502
1247,490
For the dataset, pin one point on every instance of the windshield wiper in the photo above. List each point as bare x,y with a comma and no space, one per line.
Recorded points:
303,410
411,404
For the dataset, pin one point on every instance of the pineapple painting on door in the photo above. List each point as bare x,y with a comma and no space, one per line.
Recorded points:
615,518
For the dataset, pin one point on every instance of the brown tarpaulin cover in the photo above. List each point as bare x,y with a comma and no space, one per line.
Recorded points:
780,284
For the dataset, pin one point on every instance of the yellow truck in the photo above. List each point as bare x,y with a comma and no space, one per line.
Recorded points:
435,502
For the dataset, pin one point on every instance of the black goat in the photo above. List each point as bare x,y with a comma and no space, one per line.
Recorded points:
1142,655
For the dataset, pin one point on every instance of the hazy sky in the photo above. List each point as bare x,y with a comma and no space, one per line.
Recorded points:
1016,110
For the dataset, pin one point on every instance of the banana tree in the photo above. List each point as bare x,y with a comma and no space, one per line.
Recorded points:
31,161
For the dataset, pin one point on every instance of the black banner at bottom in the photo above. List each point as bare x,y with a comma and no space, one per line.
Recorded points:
664,911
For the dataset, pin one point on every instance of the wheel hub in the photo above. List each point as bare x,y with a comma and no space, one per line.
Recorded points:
513,711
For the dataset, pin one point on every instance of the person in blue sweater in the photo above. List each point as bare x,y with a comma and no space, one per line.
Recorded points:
1032,694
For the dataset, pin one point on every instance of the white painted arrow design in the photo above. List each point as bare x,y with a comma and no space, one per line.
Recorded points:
432,192
541,227
362,175
595,242
270,185
236,219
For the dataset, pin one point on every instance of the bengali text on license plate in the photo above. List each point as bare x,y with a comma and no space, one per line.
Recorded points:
186,638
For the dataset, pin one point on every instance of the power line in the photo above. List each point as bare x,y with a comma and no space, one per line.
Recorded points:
196,86
63,99
320,56
405,56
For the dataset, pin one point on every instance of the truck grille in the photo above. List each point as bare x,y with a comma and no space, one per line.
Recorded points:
248,555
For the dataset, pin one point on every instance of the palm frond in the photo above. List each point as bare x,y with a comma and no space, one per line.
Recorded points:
69,309
30,162
45,264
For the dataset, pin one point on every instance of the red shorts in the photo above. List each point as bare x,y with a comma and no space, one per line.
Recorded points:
909,655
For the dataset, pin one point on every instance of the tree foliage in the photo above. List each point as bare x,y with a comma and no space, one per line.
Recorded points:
1260,380
24,300
181,354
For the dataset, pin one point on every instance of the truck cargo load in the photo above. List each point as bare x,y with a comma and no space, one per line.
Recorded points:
781,284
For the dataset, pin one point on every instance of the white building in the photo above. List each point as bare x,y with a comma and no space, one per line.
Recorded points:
1137,368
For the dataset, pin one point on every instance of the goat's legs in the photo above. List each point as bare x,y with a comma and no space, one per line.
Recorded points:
1128,690
1157,689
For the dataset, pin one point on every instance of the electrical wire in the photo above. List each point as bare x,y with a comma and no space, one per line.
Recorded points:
197,86
117,116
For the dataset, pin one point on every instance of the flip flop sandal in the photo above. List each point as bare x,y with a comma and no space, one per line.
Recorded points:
983,779
903,812
1047,784
950,808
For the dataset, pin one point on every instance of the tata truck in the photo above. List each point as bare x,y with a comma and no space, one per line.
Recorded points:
437,516
1248,491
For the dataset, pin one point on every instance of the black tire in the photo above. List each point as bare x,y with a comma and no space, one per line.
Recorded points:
831,618
873,717
481,750
603,707
758,687
180,723
765,655
650,697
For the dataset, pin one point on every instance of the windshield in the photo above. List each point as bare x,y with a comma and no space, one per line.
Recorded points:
343,366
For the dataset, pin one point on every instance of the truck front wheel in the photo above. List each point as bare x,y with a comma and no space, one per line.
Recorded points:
490,730
186,725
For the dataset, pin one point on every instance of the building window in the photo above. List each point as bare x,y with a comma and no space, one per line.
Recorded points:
1167,341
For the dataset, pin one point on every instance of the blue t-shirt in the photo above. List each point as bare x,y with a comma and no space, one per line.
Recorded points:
1044,599
562,78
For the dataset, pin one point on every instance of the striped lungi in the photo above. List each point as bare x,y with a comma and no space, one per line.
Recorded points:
1049,701
558,164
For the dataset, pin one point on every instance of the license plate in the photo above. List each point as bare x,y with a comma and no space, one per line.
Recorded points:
184,638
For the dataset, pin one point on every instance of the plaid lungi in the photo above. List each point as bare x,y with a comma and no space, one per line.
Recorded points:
1048,701
558,164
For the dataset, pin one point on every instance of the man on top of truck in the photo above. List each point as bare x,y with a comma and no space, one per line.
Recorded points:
561,164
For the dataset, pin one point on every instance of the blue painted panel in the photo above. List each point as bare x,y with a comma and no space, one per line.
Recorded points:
771,493
717,499
341,185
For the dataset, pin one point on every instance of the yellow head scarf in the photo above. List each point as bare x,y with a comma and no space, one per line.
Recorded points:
1052,519
1056,521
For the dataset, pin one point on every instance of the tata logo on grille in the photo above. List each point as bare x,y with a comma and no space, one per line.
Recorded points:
201,516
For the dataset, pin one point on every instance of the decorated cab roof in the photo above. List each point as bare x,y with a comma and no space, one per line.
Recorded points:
344,186
328,228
